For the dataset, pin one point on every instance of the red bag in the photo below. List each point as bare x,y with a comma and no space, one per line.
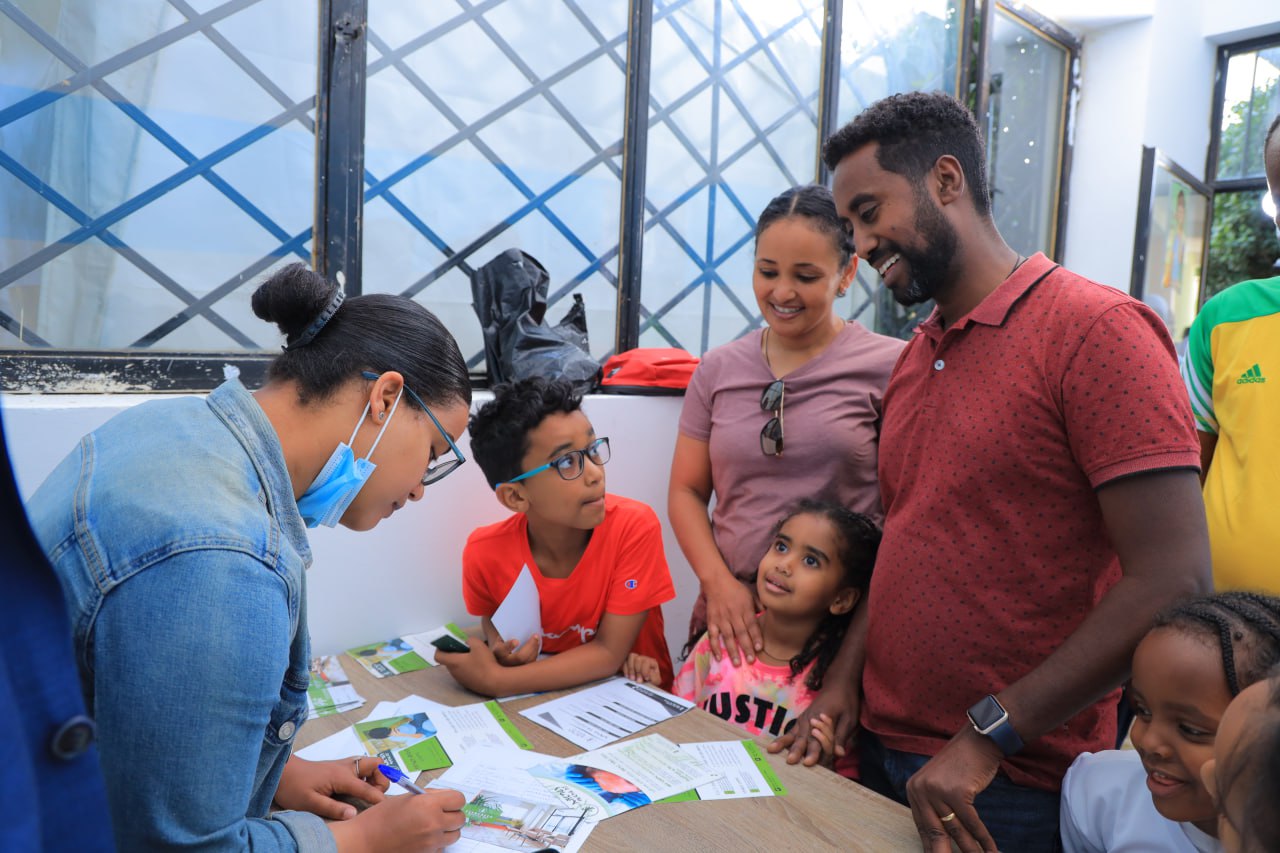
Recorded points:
648,371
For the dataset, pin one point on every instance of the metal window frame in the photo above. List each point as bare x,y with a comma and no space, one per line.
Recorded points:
336,243
1215,184
337,240
1225,53
1151,158
1054,32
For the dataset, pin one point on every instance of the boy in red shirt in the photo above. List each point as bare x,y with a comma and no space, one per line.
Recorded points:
597,559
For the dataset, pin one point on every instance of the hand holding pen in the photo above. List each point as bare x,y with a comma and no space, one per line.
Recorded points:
430,821
400,778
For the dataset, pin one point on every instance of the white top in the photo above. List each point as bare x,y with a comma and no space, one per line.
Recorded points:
1106,808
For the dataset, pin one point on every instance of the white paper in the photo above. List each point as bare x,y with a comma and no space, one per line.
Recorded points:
739,770
531,816
519,616
657,766
622,777
467,728
596,716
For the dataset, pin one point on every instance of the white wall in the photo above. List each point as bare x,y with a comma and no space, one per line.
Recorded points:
1226,21
1145,82
405,575
1108,152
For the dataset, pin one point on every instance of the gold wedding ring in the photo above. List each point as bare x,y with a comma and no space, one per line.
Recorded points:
947,817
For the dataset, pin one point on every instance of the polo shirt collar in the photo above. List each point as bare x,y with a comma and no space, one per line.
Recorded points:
993,310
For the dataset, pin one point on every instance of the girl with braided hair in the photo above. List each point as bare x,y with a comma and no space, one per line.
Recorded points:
1197,657
816,569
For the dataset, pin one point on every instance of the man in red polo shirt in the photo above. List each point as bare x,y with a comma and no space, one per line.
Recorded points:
1038,466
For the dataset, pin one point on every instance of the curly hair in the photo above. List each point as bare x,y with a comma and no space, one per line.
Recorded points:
815,204
500,428
913,130
859,539
1246,626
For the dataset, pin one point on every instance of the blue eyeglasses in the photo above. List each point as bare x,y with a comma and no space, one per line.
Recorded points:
570,465
437,469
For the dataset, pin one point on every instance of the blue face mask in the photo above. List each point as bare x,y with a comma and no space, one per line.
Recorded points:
341,478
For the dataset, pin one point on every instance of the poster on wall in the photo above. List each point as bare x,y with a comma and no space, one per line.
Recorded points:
1169,242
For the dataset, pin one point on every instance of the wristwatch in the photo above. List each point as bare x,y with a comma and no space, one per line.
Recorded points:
989,718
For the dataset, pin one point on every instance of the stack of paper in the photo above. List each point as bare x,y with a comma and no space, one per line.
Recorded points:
609,711
409,653
743,769
416,734
330,692
517,799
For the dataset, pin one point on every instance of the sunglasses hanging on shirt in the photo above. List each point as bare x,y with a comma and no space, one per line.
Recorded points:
771,435
771,401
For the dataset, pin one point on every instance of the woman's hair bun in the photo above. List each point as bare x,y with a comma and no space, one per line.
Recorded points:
292,297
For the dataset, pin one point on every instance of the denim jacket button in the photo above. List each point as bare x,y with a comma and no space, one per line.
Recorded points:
287,729
73,738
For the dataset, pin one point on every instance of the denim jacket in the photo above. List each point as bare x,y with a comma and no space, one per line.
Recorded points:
174,532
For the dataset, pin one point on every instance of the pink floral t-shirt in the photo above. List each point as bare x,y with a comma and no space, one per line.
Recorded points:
762,698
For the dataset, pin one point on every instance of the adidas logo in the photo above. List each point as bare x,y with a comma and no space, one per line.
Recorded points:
1252,375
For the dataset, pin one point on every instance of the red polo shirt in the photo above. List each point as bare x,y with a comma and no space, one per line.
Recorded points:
996,433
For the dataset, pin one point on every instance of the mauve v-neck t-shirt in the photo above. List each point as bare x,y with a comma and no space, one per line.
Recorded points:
831,434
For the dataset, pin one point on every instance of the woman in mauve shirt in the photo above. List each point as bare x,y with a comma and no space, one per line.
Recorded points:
785,412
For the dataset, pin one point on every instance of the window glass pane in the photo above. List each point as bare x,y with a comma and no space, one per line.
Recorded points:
1027,103
1250,101
1242,241
141,199
887,48
732,123
489,130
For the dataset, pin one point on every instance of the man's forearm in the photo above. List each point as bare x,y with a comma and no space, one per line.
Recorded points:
846,666
1093,661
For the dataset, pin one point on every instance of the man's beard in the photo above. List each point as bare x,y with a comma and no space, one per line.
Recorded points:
930,266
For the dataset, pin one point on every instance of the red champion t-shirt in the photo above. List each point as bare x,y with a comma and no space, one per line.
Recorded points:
997,431
623,571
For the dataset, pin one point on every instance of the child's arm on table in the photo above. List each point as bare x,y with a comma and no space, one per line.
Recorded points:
481,672
642,668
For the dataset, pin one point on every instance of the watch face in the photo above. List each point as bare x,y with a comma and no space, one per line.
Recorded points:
986,712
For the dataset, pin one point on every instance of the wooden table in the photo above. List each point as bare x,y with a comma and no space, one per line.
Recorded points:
821,811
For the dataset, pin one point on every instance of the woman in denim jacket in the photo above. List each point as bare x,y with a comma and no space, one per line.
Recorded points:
177,531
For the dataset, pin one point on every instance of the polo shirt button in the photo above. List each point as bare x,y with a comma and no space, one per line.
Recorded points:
73,738
939,364
286,730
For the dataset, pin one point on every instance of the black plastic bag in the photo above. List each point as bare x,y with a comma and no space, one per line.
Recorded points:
509,295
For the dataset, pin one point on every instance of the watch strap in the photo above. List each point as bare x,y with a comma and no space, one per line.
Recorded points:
1006,738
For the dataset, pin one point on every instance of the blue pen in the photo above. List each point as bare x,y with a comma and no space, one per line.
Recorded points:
395,775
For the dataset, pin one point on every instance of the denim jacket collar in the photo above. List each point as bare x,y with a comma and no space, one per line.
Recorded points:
238,409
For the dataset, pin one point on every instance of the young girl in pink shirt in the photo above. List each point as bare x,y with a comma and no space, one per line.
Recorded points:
813,574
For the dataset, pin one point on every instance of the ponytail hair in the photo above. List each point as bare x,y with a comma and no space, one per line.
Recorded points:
376,333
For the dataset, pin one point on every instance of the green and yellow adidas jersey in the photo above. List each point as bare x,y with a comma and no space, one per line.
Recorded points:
1232,372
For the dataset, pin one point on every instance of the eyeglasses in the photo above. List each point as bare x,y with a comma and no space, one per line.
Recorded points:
771,435
437,468
570,465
